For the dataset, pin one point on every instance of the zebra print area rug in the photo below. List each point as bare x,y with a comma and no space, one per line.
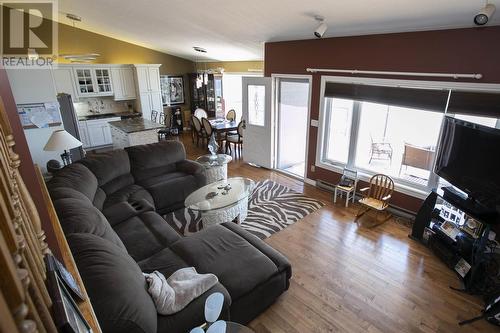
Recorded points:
272,208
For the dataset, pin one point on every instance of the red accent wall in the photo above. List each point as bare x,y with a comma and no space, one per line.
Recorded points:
472,50
26,167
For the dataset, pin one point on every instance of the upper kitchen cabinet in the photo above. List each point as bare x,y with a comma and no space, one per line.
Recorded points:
123,83
93,81
148,78
32,85
64,81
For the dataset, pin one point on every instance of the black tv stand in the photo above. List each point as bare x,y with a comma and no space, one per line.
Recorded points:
467,204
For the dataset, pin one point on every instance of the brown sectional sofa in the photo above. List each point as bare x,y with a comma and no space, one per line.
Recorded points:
109,207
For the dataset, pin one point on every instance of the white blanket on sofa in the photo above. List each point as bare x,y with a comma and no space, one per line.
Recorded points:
173,294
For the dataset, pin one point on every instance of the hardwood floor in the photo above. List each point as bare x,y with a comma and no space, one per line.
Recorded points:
348,277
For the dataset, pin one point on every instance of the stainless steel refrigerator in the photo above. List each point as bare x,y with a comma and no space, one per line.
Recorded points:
70,123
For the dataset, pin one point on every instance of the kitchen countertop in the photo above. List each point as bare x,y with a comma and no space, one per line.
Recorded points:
135,125
123,115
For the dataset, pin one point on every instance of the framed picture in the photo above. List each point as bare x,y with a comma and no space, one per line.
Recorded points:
172,89
55,265
67,316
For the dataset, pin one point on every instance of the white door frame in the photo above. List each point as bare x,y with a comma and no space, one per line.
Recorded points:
275,81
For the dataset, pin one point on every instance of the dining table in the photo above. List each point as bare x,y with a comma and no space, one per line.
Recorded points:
221,127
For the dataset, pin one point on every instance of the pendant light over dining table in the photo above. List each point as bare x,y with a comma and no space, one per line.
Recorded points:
202,77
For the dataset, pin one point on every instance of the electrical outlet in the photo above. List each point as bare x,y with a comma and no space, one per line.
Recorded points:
313,168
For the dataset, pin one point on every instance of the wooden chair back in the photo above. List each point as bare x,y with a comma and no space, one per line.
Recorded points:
154,115
380,186
200,113
207,126
241,126
196,124
231,115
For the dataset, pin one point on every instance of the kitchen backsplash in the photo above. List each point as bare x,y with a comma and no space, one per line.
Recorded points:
102,105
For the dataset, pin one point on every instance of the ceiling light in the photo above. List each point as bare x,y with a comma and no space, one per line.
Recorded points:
85,57
200,49
73,17
484,14
321,29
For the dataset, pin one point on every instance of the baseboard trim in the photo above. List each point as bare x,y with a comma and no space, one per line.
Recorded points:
309,181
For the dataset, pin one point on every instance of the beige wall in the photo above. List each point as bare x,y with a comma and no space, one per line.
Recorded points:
233,66
113,51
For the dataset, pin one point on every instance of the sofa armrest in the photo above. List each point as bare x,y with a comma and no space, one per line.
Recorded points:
276,257
193,168
125,210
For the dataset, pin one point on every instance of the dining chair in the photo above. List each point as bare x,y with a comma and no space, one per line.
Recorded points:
236,140
154,116
231,115
164,133
376,196
200,113
200,132
209,131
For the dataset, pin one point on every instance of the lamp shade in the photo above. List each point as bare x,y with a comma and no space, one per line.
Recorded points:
61,140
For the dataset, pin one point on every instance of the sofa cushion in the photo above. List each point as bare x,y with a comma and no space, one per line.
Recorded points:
154,159
145,235
193,314
75,176
112,169
239,266
115,285
67,192
129,193
170,190
79,216
166,262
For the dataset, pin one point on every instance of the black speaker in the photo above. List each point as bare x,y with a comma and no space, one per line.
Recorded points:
423,217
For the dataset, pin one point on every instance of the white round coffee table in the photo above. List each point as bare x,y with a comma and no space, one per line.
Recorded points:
215,166
222,201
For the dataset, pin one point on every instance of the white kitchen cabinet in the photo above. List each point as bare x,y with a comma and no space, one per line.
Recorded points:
65,82
123,83
84,133
93,81
148,87
150,102
32,85
99,131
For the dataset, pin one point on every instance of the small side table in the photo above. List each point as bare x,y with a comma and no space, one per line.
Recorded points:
215,166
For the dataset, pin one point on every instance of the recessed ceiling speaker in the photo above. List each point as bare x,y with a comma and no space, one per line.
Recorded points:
484,14
321,29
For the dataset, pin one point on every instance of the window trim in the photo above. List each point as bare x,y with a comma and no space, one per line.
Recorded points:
400,185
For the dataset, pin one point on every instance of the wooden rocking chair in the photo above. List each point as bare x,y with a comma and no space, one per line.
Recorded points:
376,196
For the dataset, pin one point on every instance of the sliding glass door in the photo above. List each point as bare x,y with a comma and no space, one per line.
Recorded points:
292,122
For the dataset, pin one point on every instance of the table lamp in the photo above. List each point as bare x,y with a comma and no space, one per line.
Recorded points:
62,140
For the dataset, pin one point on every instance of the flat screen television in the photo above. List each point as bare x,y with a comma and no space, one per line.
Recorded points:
469,158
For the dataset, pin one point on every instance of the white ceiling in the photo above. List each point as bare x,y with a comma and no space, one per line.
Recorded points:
236,29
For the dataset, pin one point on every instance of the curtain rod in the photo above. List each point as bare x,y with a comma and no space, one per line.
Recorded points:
355,71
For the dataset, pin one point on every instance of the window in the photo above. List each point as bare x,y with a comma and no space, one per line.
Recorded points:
256,105
384,126
339,122
397,141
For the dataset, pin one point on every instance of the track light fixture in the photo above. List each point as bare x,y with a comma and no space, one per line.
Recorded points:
321,29
484,14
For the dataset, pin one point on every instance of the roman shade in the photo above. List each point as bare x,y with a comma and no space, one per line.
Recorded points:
426,99
475,103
